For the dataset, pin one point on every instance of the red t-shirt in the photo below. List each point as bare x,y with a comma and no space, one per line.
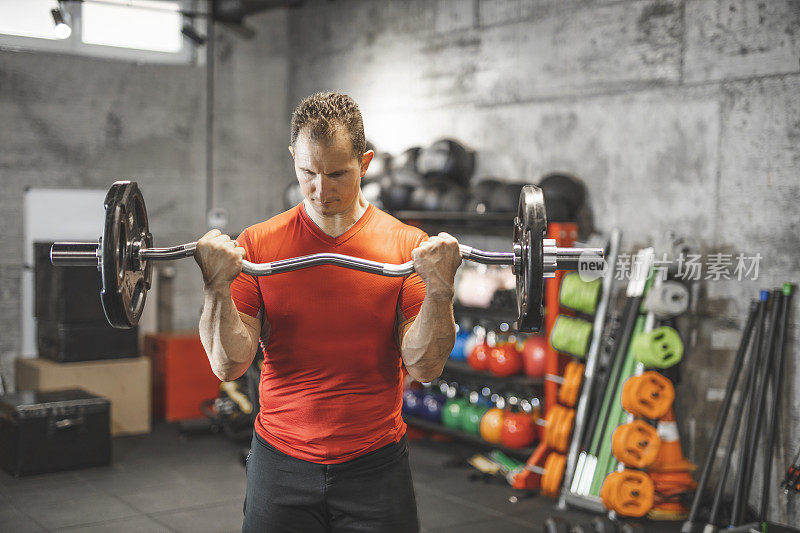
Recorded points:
331,384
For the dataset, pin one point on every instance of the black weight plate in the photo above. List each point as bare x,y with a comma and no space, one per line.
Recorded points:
446,160
125,280
529,230
426,198
396,197
405,176
454,199
483,189
564,186
505,198
557,210
407,160
479,196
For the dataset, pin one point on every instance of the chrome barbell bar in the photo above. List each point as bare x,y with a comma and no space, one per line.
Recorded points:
88,254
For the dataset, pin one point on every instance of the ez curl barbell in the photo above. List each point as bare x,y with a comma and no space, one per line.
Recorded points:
124,256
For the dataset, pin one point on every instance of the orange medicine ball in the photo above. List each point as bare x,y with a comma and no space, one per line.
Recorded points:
492,425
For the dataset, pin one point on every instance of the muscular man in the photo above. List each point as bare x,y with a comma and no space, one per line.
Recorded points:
329,451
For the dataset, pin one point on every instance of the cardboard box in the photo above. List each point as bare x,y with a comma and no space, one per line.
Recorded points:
125,382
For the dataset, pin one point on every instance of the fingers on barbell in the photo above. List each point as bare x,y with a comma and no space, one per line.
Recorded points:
438,240
222,241
449,240
211,234
219,241
421,250
423,247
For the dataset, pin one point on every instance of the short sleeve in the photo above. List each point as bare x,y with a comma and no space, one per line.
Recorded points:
245,291
412,293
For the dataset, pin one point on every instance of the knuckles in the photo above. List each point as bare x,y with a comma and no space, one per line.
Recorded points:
215,242
434,244
437,248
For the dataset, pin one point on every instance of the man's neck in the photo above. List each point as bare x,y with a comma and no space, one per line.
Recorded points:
338,224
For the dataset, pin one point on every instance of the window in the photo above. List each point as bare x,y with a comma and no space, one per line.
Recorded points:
138,30
28,19
143,25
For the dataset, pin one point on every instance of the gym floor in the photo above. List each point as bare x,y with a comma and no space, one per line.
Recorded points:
168,482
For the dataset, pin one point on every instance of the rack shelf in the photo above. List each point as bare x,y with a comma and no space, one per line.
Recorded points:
488,313
489,223
419,423
511,382
457,217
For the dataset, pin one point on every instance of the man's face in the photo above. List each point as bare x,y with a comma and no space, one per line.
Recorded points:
329,175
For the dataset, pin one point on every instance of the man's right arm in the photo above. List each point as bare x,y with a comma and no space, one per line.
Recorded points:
230,338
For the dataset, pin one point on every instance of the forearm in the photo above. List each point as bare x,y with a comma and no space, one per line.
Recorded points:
228,343
429,340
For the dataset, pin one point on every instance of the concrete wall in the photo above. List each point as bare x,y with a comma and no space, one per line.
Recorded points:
679,115
71,121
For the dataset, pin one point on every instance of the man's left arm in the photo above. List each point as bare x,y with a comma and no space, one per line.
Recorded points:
426,342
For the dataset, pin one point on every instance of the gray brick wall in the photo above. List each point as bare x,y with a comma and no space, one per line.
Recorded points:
679,115
70,121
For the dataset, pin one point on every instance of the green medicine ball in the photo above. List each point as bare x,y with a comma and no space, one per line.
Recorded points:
453,412
471,418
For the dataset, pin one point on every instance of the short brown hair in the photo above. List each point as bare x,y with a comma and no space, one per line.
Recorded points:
323,114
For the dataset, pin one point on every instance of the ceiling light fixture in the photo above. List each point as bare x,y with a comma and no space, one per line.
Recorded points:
61,20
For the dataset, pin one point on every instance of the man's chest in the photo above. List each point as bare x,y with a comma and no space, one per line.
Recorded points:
330,298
